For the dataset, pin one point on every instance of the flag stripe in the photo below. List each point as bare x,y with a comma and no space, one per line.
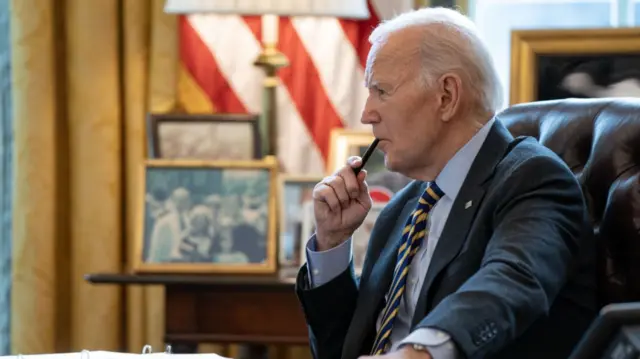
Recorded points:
358,33
303,82
339,71
255,25
235,55
191,97
298,151
203,67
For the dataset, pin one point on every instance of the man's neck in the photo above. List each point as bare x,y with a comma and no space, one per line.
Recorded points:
456,138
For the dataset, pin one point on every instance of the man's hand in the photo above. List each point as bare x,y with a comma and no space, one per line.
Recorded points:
406,352
340,205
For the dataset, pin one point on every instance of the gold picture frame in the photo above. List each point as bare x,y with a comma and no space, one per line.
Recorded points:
341,143
199,189
527,46
383,184
289,251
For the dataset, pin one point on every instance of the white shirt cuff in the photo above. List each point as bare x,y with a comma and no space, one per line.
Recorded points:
326,265
438,343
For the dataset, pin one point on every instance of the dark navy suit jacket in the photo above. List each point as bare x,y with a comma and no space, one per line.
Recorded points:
513,276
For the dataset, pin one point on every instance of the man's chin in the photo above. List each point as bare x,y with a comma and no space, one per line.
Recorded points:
396,166
391,165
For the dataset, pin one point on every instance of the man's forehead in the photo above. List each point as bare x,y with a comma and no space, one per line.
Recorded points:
395,49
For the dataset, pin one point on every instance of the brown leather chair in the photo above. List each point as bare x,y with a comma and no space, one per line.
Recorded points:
600,141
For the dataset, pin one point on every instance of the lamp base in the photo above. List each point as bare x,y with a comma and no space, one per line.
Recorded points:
271,59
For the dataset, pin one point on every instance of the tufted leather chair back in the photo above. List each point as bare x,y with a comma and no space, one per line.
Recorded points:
600,141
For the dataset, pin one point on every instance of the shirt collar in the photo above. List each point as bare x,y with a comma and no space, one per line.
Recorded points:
454,173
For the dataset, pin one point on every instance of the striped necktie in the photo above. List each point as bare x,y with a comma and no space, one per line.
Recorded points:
412,237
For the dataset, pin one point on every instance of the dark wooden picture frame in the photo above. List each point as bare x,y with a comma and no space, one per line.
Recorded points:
155,121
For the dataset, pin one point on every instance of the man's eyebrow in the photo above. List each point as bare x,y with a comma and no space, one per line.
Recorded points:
370,82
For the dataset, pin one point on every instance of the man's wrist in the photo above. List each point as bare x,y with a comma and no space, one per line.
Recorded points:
416,351
325,242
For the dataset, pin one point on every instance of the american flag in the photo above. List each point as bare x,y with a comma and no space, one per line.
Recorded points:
321,89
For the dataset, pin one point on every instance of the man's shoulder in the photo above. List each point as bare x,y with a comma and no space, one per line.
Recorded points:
526,154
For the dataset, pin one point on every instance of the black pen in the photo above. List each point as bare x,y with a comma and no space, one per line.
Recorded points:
366,156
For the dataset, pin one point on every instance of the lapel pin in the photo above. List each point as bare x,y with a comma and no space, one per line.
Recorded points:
468,204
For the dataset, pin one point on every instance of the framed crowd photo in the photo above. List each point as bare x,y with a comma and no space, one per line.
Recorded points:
295,191
215,137
383,184
585,63
208,217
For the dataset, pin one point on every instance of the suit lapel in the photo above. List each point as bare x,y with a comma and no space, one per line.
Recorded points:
375,282
463,210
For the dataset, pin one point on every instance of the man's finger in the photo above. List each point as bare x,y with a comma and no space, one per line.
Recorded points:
337,183
350,180
326,194
354,161
362,176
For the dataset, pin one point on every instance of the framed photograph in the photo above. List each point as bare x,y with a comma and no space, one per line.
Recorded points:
295,191
383,184
208,217
217,137
360,240
585,63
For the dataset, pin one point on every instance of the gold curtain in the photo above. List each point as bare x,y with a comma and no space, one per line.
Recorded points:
85,73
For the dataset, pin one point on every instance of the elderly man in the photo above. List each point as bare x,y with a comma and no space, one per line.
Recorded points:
487,254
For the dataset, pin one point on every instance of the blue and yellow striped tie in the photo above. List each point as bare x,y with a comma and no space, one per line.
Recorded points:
412,237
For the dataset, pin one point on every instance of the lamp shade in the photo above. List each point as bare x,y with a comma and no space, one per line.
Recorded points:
355,9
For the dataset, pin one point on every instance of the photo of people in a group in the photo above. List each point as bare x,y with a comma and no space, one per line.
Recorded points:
206,215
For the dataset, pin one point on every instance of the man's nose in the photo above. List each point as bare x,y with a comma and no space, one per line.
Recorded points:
369,115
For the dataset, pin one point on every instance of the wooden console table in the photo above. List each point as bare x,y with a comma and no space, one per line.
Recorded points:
214,309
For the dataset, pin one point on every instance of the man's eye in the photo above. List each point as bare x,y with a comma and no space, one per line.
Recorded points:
380,91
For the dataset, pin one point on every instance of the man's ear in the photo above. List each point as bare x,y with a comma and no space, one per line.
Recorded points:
450,86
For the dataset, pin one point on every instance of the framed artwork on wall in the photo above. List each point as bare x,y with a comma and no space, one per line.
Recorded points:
215,137
208,217
295,192
585,63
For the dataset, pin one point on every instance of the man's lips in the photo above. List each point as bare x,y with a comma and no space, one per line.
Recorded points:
382,143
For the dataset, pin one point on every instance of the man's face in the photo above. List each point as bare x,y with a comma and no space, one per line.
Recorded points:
182,202
403,112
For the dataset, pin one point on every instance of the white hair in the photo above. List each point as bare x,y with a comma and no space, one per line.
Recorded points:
458,48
